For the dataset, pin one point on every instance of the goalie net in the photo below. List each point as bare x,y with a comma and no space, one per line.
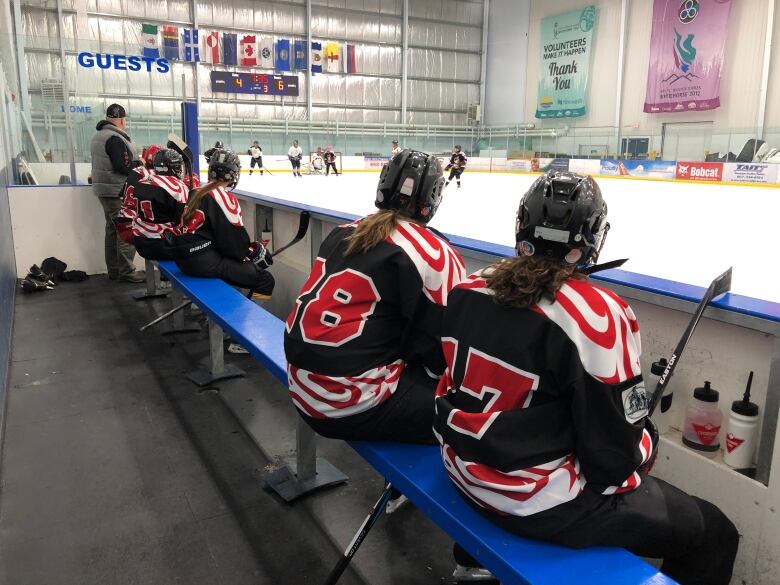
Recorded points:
313,155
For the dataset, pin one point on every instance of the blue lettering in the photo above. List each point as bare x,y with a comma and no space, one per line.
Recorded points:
149,62
120,62
134,63
163,66
86,60
103,61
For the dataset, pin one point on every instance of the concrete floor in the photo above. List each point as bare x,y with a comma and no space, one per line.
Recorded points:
117,470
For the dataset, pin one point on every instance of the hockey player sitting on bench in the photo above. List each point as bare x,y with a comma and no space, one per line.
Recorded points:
542,411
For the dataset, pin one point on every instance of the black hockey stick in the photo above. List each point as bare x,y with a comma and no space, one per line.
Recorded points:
167,314
605,266
374,515
267,171
303,227
720,285
177,144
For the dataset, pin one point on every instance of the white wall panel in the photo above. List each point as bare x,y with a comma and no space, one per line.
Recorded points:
773,94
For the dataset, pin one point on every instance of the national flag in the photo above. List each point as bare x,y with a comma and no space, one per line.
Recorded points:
171,42
230,48
299,57
211,47
191,45
332,57
283,55
248,51
266,51
349,59
151,45
316,57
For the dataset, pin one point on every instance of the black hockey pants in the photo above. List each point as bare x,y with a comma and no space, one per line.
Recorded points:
329,166
152,248
240,274
697,542
256,162
455,172
406,416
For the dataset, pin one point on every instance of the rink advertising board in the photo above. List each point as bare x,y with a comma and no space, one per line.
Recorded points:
652,169
254,83
375,162
700,171
750,173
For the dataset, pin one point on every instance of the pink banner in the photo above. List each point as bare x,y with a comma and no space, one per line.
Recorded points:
686,54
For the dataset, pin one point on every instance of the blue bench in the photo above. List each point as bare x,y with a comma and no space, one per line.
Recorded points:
417,471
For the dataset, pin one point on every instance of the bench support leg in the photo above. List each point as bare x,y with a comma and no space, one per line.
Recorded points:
374,515
311,472
217,369
178,325
153,288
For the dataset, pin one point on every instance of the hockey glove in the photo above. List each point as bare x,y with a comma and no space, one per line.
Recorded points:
647,466
260,256
30,285
448,167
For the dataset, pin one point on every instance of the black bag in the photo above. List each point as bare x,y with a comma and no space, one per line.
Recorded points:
53,267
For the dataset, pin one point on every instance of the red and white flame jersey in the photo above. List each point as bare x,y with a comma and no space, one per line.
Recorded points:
360,319
153,202
541,403
216,225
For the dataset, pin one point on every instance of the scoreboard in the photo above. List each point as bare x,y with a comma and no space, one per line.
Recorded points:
254,83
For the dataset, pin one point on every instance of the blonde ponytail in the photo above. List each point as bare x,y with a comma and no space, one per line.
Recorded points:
195,198
373,229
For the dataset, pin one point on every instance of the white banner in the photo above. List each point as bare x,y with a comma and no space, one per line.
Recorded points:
750,173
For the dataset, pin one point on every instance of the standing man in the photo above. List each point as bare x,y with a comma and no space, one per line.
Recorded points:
395,148
113,157
256,154
295,154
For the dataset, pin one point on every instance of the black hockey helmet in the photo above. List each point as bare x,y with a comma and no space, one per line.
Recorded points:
411,182
224,165
168,162
218,144
564,217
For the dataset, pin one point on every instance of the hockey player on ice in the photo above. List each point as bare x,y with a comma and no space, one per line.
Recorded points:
558,445
394,148
330,161
363,340
295,154
456,165
218,145
153,198
256,158
317,164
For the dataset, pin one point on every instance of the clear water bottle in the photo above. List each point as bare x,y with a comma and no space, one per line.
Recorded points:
703,420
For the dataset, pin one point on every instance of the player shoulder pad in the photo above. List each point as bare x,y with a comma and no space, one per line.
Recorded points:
438,263
229,205
601,325
174,186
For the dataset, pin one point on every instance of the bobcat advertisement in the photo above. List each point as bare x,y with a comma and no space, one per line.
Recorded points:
564,61
686,55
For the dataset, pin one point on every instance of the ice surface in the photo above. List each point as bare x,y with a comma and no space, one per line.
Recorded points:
679,231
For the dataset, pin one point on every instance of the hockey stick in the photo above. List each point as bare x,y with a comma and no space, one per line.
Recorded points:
177,144
164,316
720,285
374,515
303,227
267,171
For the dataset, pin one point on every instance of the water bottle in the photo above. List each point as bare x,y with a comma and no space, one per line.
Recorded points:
661,419
703,420
742,431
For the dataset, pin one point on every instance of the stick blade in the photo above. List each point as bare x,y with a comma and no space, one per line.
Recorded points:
303,226
722,284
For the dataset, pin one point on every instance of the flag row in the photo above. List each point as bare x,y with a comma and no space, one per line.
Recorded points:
246,50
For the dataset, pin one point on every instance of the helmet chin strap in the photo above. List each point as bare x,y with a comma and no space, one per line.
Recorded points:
587,270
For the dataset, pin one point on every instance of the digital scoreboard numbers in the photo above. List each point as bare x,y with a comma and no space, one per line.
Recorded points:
254,83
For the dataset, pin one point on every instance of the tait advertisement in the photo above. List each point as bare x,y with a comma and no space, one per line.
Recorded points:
749,173
653,169
700,171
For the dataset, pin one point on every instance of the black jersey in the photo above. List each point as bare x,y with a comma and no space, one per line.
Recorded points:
458,160
537,403
329,157
217,224
152,202
360,319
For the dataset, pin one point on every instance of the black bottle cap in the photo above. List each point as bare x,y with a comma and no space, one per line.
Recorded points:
706,394
657,369
744,406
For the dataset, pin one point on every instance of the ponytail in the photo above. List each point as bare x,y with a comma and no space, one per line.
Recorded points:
371,230
195,198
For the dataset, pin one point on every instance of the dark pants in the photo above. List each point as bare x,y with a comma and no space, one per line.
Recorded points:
153,249
406,416
296,166
328,166
697,542
211,264
455,172
256,162
118,253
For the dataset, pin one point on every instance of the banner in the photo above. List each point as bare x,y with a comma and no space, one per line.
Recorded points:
316,57
750,173
248,51
299,58
266,49
211,47
283,55
151,47
350,64
700,171
654,169
564,61
332,57
171,42
191,45
686,54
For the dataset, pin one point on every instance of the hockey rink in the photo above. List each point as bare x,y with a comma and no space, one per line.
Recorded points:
687,232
